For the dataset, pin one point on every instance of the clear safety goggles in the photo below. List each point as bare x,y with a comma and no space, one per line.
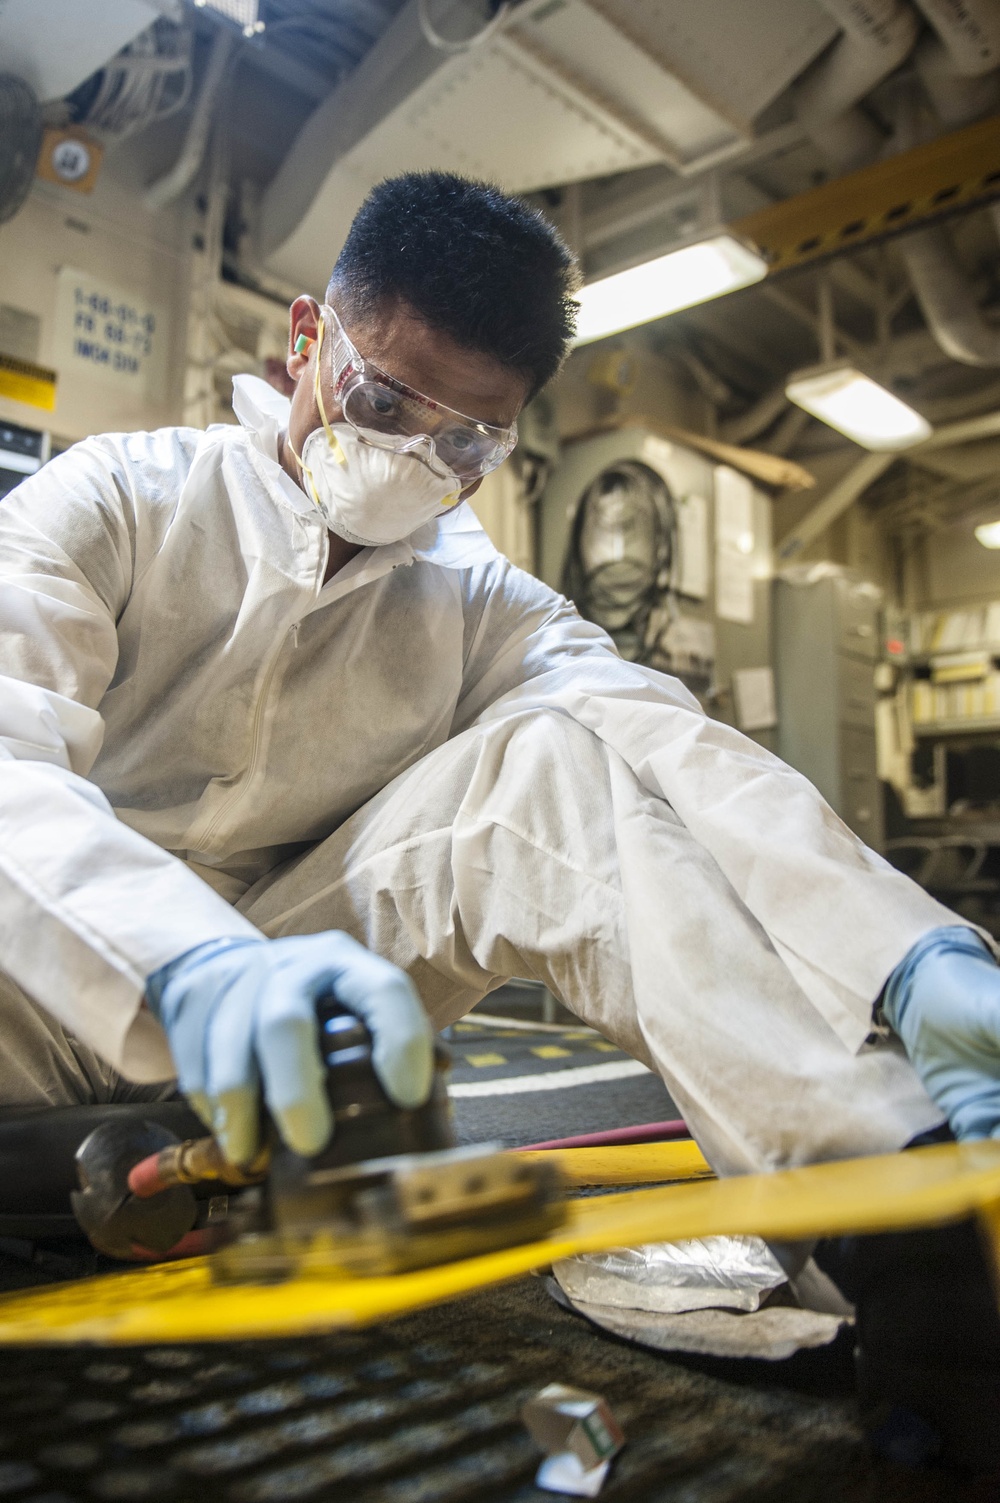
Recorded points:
391,415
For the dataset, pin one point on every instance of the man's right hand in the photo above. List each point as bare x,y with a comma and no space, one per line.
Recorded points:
240,1016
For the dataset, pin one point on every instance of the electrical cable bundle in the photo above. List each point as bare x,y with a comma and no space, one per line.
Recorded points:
146,82
622,554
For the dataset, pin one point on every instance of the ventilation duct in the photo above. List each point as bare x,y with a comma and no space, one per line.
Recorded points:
957,98
173,183
946,299
969,30
941,287
55,44
565,91
877,36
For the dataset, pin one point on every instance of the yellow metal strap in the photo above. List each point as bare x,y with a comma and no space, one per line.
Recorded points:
953,172
179,1301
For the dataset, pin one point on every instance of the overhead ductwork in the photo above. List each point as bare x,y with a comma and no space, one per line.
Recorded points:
969,30
946,299
958,98
877,35
55,44
757,419
939,282
180,176
564,91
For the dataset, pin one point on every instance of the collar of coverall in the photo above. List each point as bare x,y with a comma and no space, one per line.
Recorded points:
455,540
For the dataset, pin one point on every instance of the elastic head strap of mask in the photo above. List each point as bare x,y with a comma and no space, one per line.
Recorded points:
331,437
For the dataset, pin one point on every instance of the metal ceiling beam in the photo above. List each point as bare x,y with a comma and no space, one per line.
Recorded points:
397,64
633,211
836,501
867,470
987,425
857,283
957,171
720,332
807,317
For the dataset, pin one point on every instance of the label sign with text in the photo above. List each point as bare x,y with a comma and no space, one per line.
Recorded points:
110,333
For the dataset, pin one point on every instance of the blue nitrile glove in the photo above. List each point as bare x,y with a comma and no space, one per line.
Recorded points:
240,1015
943,1000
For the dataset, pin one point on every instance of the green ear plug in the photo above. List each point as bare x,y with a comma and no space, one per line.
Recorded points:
302,344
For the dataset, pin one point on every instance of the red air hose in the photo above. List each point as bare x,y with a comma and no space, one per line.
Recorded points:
645,1132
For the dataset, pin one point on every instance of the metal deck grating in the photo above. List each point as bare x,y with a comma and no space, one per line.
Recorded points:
422,1410
425,1409
364,1414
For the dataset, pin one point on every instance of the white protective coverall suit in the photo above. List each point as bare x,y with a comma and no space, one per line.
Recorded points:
431,751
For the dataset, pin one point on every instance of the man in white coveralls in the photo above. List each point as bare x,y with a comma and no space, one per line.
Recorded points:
266,687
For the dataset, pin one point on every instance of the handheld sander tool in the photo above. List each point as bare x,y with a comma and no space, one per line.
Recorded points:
391,1191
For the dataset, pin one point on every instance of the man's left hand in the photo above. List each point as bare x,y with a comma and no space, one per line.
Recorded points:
944,1002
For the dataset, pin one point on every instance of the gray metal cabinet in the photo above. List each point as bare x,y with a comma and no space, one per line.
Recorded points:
826,645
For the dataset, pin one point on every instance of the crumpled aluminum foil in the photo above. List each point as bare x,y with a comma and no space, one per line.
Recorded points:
771,1335
702,1296
729,1273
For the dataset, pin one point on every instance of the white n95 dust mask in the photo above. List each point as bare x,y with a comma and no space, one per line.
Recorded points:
369,494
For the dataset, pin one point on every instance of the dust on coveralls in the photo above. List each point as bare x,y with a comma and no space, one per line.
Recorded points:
433,752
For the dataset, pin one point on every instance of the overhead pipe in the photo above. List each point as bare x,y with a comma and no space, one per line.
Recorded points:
958,66
969,30
945,297
852,484
877,36
942,288
757,419
957,60
172,184
938,410
958,98
787,431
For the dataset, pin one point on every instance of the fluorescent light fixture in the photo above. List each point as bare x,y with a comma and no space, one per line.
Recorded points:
857,406
691,274
988,533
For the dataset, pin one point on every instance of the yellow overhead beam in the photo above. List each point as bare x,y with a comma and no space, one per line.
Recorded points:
957,171
180,1302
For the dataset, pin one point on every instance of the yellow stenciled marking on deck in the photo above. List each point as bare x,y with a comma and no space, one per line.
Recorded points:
605,1047
552,1051
483,1061
179,1302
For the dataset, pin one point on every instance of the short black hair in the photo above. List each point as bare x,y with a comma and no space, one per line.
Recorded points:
486,268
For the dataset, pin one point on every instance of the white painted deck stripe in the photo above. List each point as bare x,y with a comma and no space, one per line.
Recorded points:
551,1080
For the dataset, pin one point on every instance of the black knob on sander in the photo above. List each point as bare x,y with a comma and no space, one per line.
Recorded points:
311,1193
367,1125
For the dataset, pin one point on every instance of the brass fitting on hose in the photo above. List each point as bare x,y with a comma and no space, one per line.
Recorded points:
192,1163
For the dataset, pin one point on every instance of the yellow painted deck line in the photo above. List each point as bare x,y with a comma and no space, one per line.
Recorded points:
179,1302
627,1163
